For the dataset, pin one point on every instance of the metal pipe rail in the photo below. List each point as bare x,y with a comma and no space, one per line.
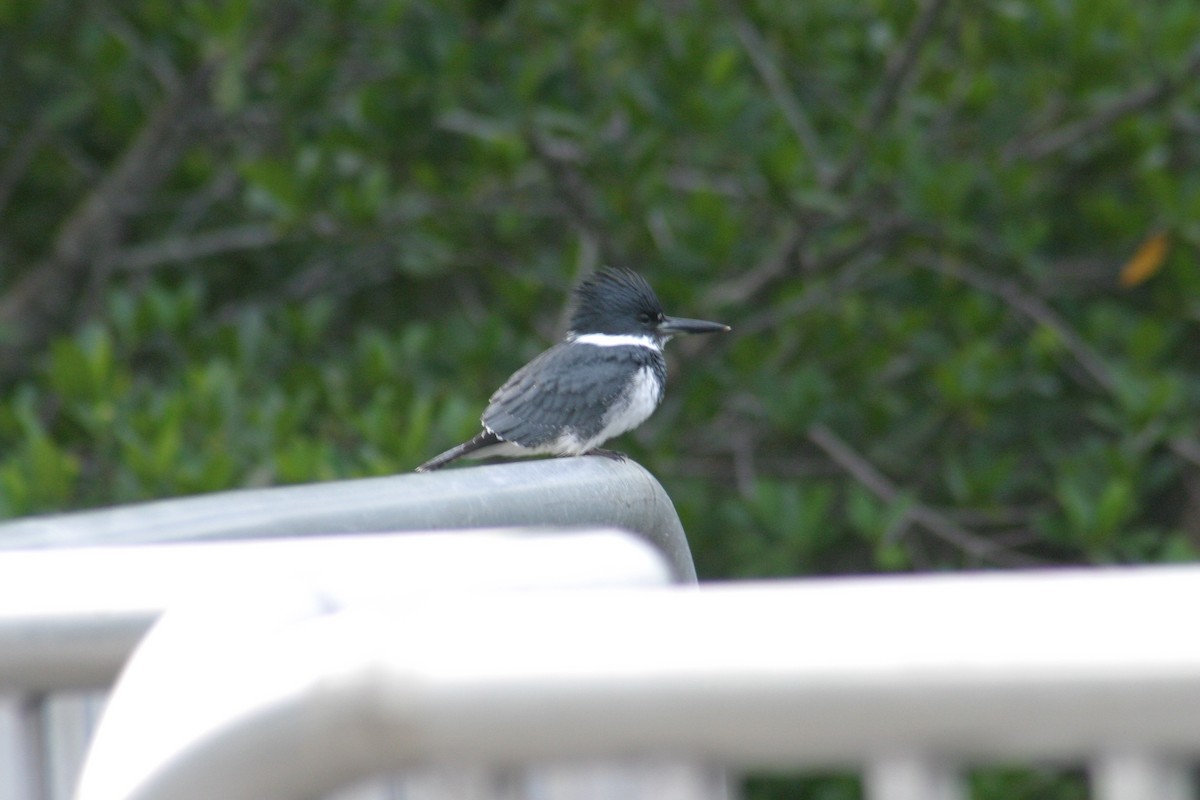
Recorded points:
904,676
70,618
589,491
44,723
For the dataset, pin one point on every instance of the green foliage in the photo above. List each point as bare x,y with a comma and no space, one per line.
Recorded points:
776,787
381,206
377,209
1035,784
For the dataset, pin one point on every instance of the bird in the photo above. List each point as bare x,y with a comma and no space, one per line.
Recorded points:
606,377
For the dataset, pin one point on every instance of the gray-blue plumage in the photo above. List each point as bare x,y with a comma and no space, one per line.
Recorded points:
574,388
604,379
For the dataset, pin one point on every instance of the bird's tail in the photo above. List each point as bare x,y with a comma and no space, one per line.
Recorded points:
484,439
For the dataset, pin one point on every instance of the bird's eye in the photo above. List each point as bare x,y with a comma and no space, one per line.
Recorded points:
645,317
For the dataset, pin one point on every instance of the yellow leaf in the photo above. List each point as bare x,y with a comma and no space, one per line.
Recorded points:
1146,261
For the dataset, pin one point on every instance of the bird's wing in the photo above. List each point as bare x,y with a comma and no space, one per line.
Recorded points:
568,387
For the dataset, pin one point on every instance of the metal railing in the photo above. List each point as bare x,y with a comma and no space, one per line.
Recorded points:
908,679
556,493
78,591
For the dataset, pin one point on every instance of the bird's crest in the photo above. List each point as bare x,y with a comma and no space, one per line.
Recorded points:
611,299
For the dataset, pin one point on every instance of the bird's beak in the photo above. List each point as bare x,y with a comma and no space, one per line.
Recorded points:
674,326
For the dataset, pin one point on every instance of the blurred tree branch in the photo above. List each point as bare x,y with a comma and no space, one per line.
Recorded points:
874,481
558,159
899,69
81,254
1186,448
20,155
1035,146
782,95
786,254
44,295
1031,306
175,249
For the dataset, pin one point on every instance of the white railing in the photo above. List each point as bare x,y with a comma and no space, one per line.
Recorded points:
905,677
71,618
78,591
299,668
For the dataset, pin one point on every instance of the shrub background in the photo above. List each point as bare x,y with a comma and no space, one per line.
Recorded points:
249,243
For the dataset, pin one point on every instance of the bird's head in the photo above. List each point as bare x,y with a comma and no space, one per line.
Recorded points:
619,302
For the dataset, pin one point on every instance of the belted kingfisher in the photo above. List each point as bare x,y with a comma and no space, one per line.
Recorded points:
605,378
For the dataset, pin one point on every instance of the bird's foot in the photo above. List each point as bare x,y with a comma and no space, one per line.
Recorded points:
610,454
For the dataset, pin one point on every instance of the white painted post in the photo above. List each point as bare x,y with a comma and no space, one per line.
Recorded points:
1140,776
912,777
22,748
